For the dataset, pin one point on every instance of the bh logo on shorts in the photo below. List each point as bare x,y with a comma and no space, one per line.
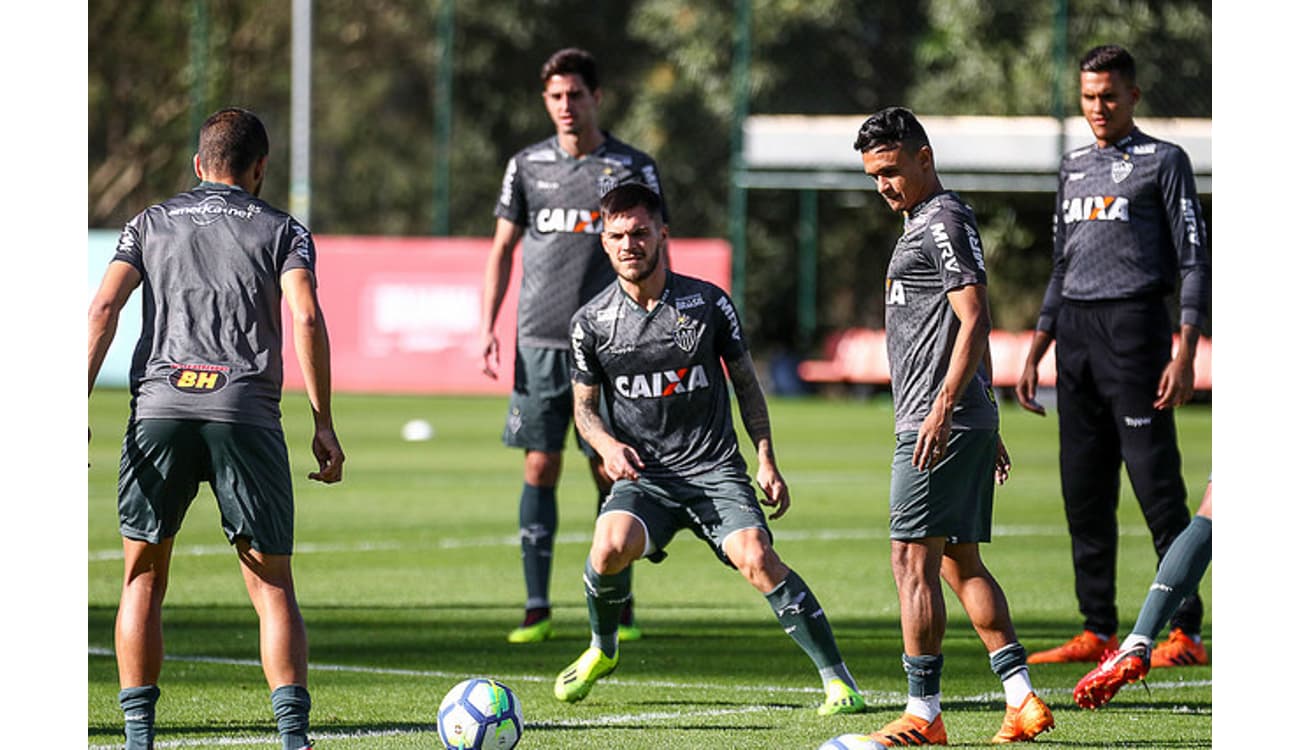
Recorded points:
199,379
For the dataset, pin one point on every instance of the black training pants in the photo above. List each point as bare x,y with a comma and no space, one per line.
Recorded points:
1109,358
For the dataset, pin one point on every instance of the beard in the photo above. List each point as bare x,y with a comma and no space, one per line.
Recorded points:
654,258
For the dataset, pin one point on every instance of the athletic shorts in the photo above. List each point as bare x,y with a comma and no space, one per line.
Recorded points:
714,505
541,404
164,460
953,500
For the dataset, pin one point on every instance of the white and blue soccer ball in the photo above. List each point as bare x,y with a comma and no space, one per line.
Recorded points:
480,714
851,742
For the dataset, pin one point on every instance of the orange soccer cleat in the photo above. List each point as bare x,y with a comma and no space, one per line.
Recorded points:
1084,647
1179,650
1022,724
1118,669
910,730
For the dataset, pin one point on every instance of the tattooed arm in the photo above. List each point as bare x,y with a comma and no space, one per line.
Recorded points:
753,412
621,460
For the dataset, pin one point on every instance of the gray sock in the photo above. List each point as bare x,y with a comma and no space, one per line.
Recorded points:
138,705
292,704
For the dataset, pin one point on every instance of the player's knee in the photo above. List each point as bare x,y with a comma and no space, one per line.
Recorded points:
542,469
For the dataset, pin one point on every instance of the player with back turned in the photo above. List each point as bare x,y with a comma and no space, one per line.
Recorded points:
550,199
215,262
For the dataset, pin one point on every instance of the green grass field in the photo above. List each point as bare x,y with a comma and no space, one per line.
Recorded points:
408,575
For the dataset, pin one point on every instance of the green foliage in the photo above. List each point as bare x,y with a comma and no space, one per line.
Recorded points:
408,576
666,70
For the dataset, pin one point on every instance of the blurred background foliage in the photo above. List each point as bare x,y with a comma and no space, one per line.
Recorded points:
666,75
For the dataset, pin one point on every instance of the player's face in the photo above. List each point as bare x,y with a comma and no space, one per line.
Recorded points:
1107,100
633,241
902,177
571,105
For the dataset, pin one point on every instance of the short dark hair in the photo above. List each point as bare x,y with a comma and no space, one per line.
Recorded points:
630,195
231,141
1110,58
571,61
892,126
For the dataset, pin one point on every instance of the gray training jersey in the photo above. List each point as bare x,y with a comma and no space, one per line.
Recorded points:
939,251
1127,225
557,199
660,373
210,342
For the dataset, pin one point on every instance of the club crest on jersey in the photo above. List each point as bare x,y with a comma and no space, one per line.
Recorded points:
1120,170
199,379
606,182
687,334
662,384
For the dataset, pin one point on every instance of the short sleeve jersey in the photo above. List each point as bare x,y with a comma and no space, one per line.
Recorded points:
557,199
210,341
661,375
1128,224
939,252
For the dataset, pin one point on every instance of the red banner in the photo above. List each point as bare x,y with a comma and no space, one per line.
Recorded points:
403,312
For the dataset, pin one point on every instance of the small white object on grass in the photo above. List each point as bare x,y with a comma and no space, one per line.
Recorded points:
417,430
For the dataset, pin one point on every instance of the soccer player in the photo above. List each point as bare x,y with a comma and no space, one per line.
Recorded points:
1177,577
947,452
1127,227
215,263
550,199
652,345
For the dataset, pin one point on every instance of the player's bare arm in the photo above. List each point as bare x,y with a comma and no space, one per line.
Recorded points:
1178,381
753,413
970,304
311,340
1027,386
621,460
496,279
114,290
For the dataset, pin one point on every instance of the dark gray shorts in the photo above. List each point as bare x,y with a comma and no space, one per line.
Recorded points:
714,505
953,500
164,460
541,404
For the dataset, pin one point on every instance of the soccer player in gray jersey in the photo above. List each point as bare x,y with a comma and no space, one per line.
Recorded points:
1127,228
948,451
550,198
652,345
215,263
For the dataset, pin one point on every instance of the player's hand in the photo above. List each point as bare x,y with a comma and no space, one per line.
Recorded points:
775,492
623,463
329,455
932,439
1027,390
1177,383
1001,463
491,354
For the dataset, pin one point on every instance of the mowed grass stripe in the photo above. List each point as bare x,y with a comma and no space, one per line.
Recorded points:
794,536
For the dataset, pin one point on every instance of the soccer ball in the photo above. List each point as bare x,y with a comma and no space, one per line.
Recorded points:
480,714
851,742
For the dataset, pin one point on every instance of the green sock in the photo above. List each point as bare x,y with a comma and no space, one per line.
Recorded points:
292,704
1177,577
606,596
803,619
538,520
924,673
138,706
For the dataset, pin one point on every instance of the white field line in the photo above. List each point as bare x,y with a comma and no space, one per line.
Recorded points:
882,698
782,537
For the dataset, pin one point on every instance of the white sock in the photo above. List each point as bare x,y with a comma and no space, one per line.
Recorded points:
927,708
1135,640
1018,688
